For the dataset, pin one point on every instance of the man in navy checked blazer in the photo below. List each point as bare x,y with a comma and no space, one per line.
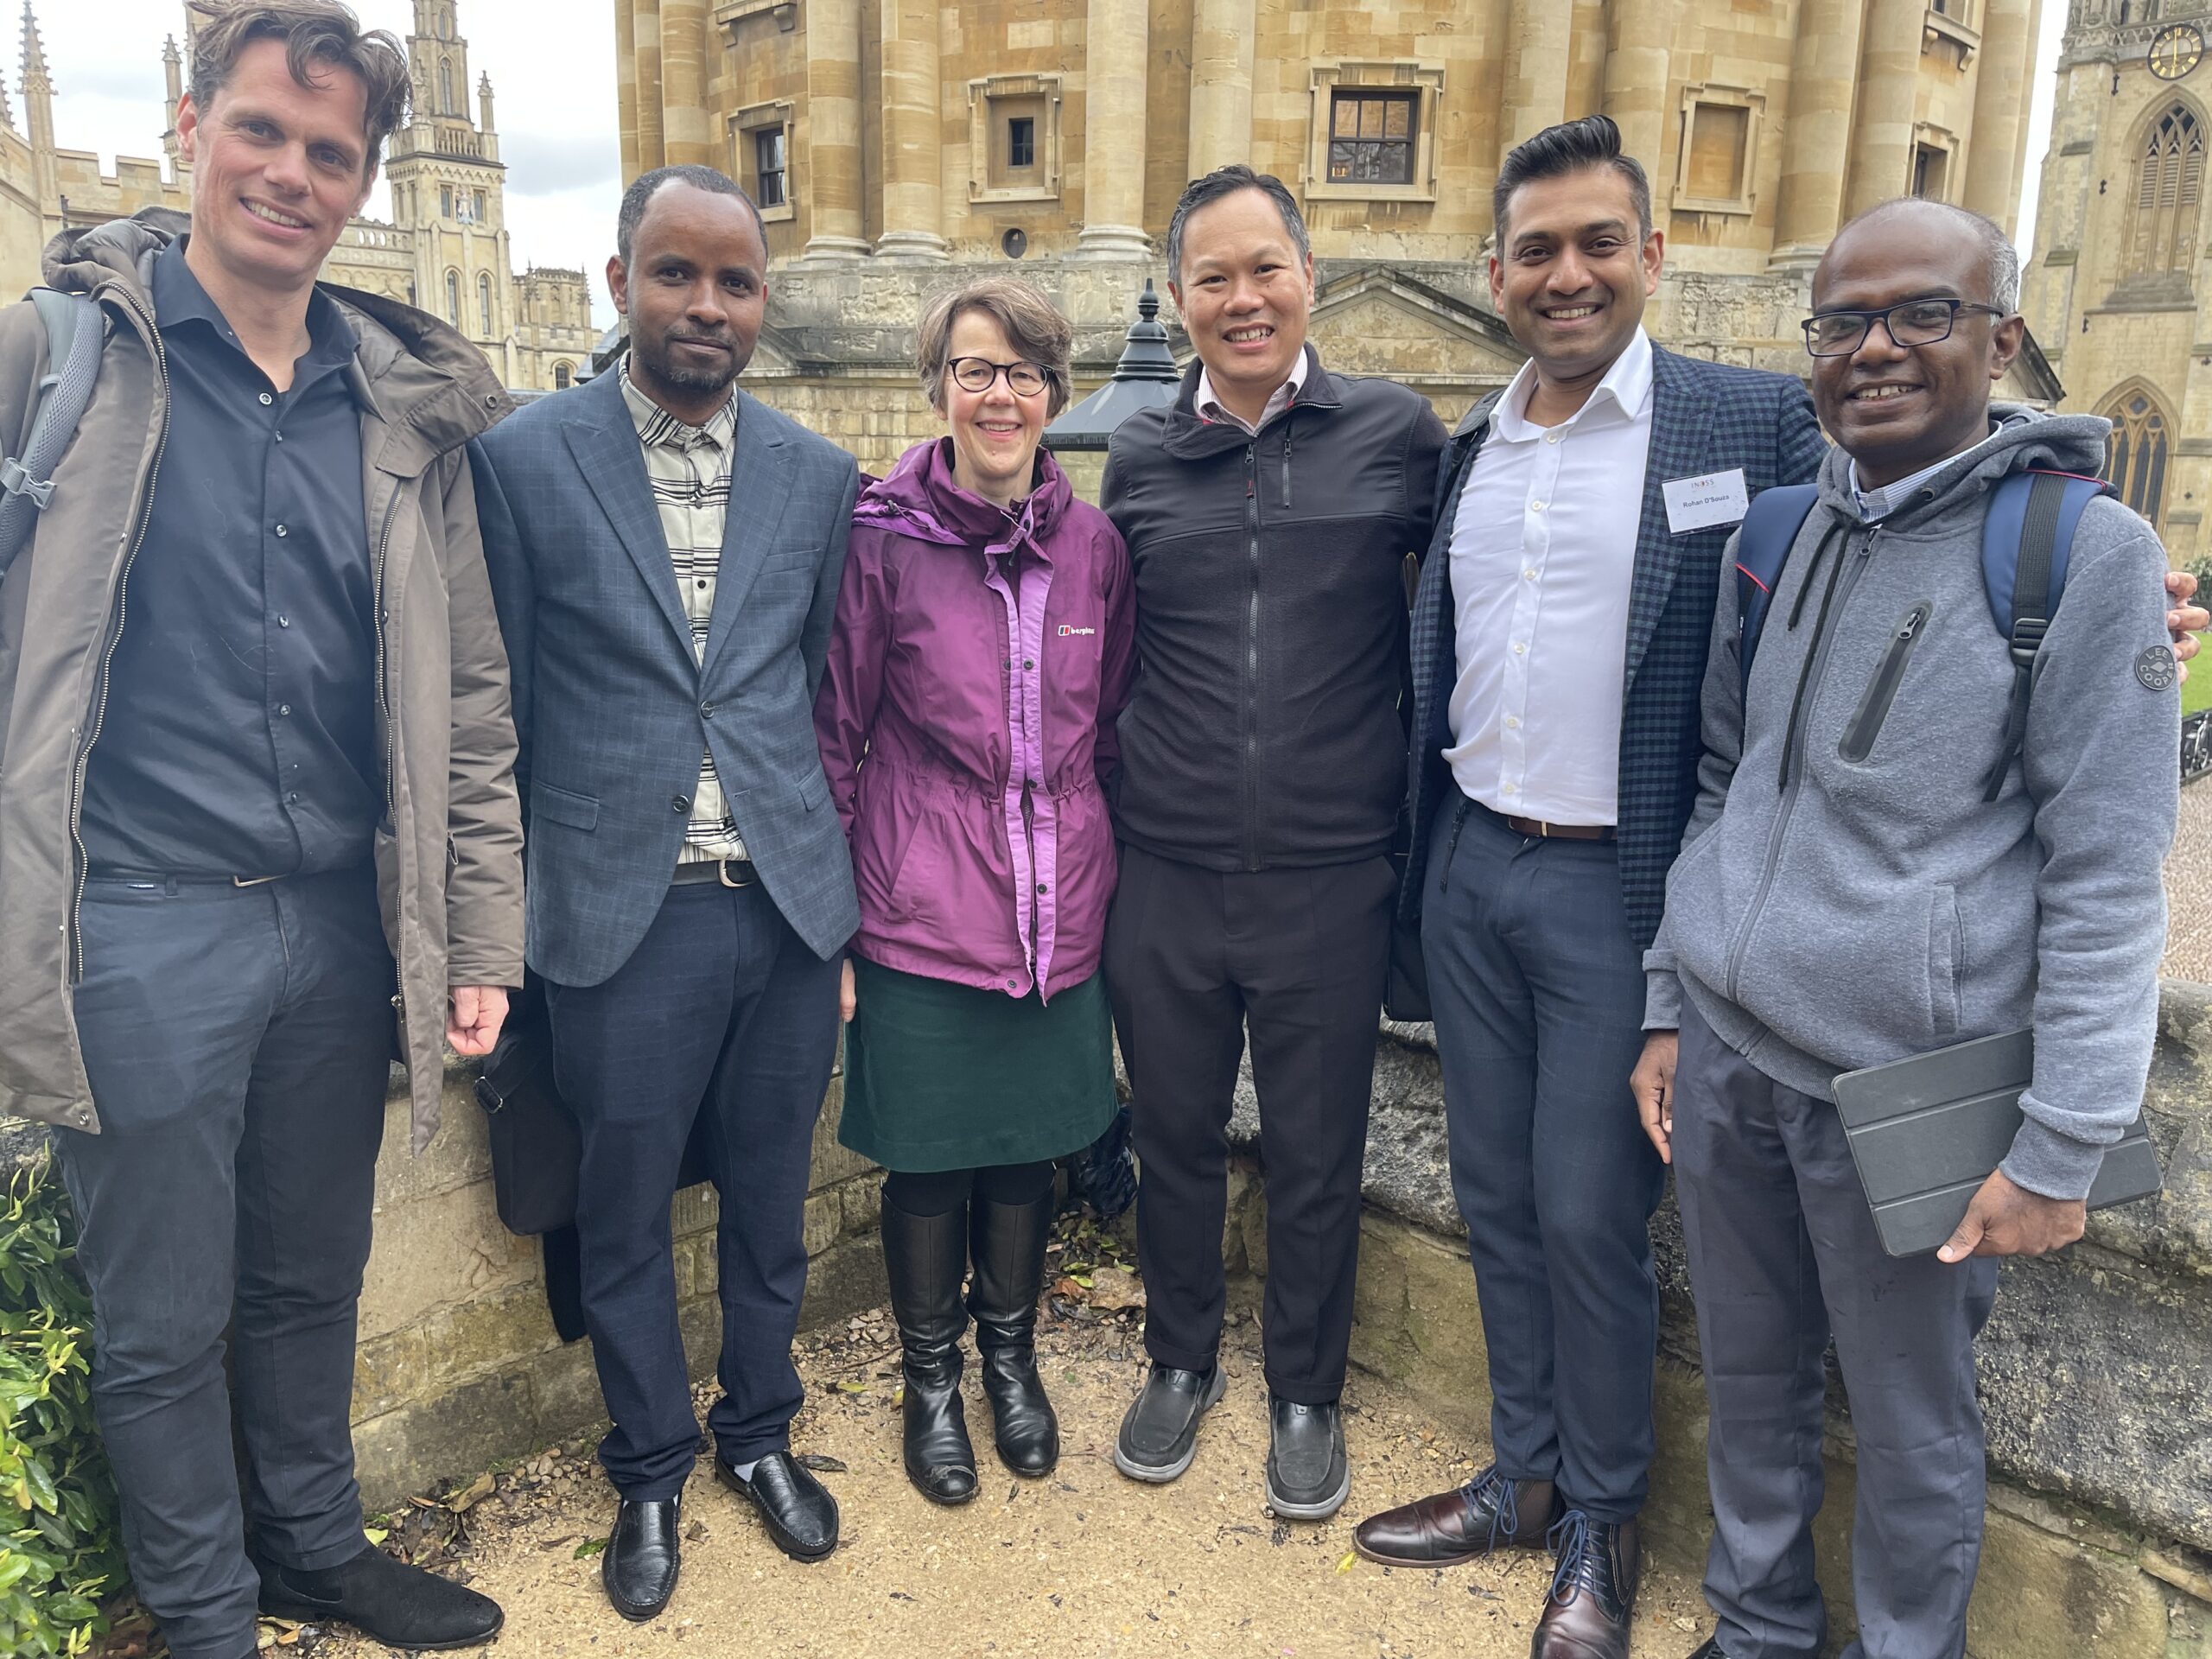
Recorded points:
665,552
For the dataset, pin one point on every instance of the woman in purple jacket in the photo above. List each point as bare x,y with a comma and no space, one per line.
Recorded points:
982,651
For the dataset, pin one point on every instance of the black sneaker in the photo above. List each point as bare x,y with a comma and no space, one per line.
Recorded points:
1159,1432
397,1604
1308,1475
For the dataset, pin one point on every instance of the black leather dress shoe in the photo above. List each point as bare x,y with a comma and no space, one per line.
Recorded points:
1308,1475
642,1558
1593,1590
399,1605
796,1508
1488,1513
1160,1432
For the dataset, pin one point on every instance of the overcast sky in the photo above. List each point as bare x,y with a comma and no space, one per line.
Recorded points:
551,65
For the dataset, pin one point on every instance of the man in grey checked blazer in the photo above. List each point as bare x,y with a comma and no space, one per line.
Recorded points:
665,552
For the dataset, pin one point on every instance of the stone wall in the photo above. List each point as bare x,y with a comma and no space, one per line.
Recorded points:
2093,1371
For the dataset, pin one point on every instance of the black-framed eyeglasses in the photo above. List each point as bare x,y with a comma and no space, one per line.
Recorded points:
1915,322
977,374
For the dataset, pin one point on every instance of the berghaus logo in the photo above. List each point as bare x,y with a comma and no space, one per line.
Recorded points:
1067,633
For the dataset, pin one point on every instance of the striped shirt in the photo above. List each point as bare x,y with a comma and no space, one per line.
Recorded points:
688,467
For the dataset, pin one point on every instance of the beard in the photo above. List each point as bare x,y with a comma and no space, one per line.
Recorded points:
661,362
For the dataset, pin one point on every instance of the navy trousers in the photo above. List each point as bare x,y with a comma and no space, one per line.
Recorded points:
238,1042
721,1010
1538,996
1783,1253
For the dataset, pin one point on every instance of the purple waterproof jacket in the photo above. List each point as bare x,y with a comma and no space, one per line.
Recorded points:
977,666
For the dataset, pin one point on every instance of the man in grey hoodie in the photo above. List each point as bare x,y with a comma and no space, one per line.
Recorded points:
1846,897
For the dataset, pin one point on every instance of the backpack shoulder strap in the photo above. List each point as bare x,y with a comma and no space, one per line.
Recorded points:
1763,544
2027,540
56,404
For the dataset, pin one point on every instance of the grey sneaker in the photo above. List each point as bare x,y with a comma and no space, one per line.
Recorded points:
1308,1475
1160,1432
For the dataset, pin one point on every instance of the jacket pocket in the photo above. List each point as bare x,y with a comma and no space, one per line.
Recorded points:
549,804
1882,690
1946,961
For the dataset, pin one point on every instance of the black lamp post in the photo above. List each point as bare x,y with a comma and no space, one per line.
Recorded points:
1145,378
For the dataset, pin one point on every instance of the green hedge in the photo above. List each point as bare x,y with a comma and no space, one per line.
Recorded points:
60,1555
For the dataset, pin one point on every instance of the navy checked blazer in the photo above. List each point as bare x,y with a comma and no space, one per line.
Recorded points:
613,707
1706,417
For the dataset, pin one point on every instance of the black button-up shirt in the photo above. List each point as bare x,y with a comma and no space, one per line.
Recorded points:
239,735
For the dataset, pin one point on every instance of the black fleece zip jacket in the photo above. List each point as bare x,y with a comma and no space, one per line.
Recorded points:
1264,729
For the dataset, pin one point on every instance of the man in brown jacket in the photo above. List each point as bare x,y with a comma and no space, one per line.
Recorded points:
257,821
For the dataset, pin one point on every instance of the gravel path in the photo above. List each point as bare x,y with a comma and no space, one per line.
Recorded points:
1083,1565
2189,889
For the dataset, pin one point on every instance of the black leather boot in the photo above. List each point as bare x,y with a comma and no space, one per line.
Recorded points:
1007,1243
925,1256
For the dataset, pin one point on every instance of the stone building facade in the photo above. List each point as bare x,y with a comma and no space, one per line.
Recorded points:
2119,286
898,145
445,249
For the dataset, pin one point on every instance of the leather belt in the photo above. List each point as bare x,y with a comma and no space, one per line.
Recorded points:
730,872
1542,831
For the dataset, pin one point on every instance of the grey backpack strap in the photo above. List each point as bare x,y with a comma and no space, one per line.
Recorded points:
57,403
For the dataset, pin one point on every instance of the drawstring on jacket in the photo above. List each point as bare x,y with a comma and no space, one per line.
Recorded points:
1812,646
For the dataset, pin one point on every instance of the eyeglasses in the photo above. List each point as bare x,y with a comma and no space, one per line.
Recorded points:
978,373
1915,323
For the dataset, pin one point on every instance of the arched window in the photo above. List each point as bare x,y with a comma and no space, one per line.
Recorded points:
453,298
563,377
2135,455
2169,185
445,88
484,298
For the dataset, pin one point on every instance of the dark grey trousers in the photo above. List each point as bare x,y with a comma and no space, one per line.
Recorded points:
1538,993
1782,1254
238,1042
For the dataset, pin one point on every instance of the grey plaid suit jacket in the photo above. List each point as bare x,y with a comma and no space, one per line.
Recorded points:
1706,417
613,708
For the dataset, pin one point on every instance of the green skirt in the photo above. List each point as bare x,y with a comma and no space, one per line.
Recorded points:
939,1075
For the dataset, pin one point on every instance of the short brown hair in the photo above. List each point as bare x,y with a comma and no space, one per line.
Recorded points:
313,32
1034,327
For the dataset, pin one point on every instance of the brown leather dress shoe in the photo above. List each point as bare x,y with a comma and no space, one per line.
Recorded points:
1464,1524
1593,1591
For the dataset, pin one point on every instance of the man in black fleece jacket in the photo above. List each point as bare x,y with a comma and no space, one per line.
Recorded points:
1268,514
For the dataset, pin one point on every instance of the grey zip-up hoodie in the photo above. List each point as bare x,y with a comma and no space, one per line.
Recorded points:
1845,898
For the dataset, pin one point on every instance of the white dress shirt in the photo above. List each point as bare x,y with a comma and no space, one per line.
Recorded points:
1211,407
1543,548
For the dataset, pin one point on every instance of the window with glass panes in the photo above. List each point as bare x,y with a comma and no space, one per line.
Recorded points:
1371,138
768,167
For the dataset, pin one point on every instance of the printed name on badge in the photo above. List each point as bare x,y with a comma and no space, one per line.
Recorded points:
1701,503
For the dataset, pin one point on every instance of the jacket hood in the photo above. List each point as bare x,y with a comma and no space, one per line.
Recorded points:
919,498
2022,440
420,375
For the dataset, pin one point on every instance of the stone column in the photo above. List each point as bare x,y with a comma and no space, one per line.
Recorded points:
1889,87
625,87
683,83
1114,47
2004,74
1536,49
913,191
1638,61
1222,32
644,19
832,183
1816,131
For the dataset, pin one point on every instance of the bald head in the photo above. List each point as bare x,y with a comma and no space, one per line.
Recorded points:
1961,228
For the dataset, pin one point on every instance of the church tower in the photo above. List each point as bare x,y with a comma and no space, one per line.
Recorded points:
447,189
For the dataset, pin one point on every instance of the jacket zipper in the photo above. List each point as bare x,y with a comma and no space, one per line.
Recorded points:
1789,800
1882,691
1286,417
1251,710
391,744
115,635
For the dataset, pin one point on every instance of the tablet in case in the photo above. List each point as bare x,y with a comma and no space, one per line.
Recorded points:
1927,1132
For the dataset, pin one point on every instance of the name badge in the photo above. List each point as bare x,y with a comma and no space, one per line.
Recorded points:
1701,503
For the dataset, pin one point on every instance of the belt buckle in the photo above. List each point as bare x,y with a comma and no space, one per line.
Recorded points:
1543,828
721,874
252,881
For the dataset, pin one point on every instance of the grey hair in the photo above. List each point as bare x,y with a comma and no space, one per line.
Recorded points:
1227,181
1997,247
642,190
